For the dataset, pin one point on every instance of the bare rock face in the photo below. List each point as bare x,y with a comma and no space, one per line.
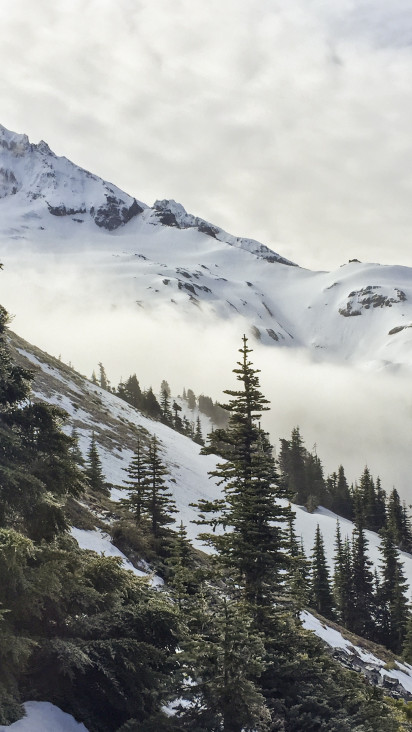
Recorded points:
372,296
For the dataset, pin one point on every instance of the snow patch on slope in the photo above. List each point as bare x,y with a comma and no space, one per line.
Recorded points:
44,717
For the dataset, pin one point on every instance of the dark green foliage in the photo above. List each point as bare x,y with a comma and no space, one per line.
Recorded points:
103,380
159,503
216,412
198,437
37,471
177,420
340,495
398,521
166,413
343,580
320,596
223,657
391,599
253,548
302,473
93,470
363,594
102,642
136,482
131,392
150,405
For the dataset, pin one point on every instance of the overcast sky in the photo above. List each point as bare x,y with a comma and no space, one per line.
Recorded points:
289,122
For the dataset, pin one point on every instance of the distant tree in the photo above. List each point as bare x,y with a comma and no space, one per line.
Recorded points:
159,502
164,387
177,420
150,405
321,598
137,481
133,392
94,378
391,598
363,594
166,412
75,451
198,437
340,495
93,471
342,579
103,380
191,399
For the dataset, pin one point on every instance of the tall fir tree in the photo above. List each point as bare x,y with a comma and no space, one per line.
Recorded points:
93,470
136,482
159,503
253,549
342,579
362,620
391,599
321,598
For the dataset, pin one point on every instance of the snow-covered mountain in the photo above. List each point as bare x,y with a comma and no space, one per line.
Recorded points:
96,275
162,259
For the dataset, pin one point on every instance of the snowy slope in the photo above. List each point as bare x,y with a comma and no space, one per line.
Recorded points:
116,424
44,717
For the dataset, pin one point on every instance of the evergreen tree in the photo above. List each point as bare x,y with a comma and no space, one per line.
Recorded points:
177,420
159,503
75,451
299,569
150,405
320,588
103,380
198,437
224,657
137,476
132,392
316,485
342,580
341,499
253,548
363,595
292,467
93,471
398,521
167,417
391,599
37,471
191,399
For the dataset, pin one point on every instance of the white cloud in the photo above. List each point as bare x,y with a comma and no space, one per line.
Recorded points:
288,123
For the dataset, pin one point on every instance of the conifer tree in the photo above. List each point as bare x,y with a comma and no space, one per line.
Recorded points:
37,471
177,420
159,503
198,437
341,499
320,587
191,399
391,599
224,656
75,451
93,471
137,475
253,548
167,417
363,596
342,579
103,380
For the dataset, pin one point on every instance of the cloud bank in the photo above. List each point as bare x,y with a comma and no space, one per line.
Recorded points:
289,123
